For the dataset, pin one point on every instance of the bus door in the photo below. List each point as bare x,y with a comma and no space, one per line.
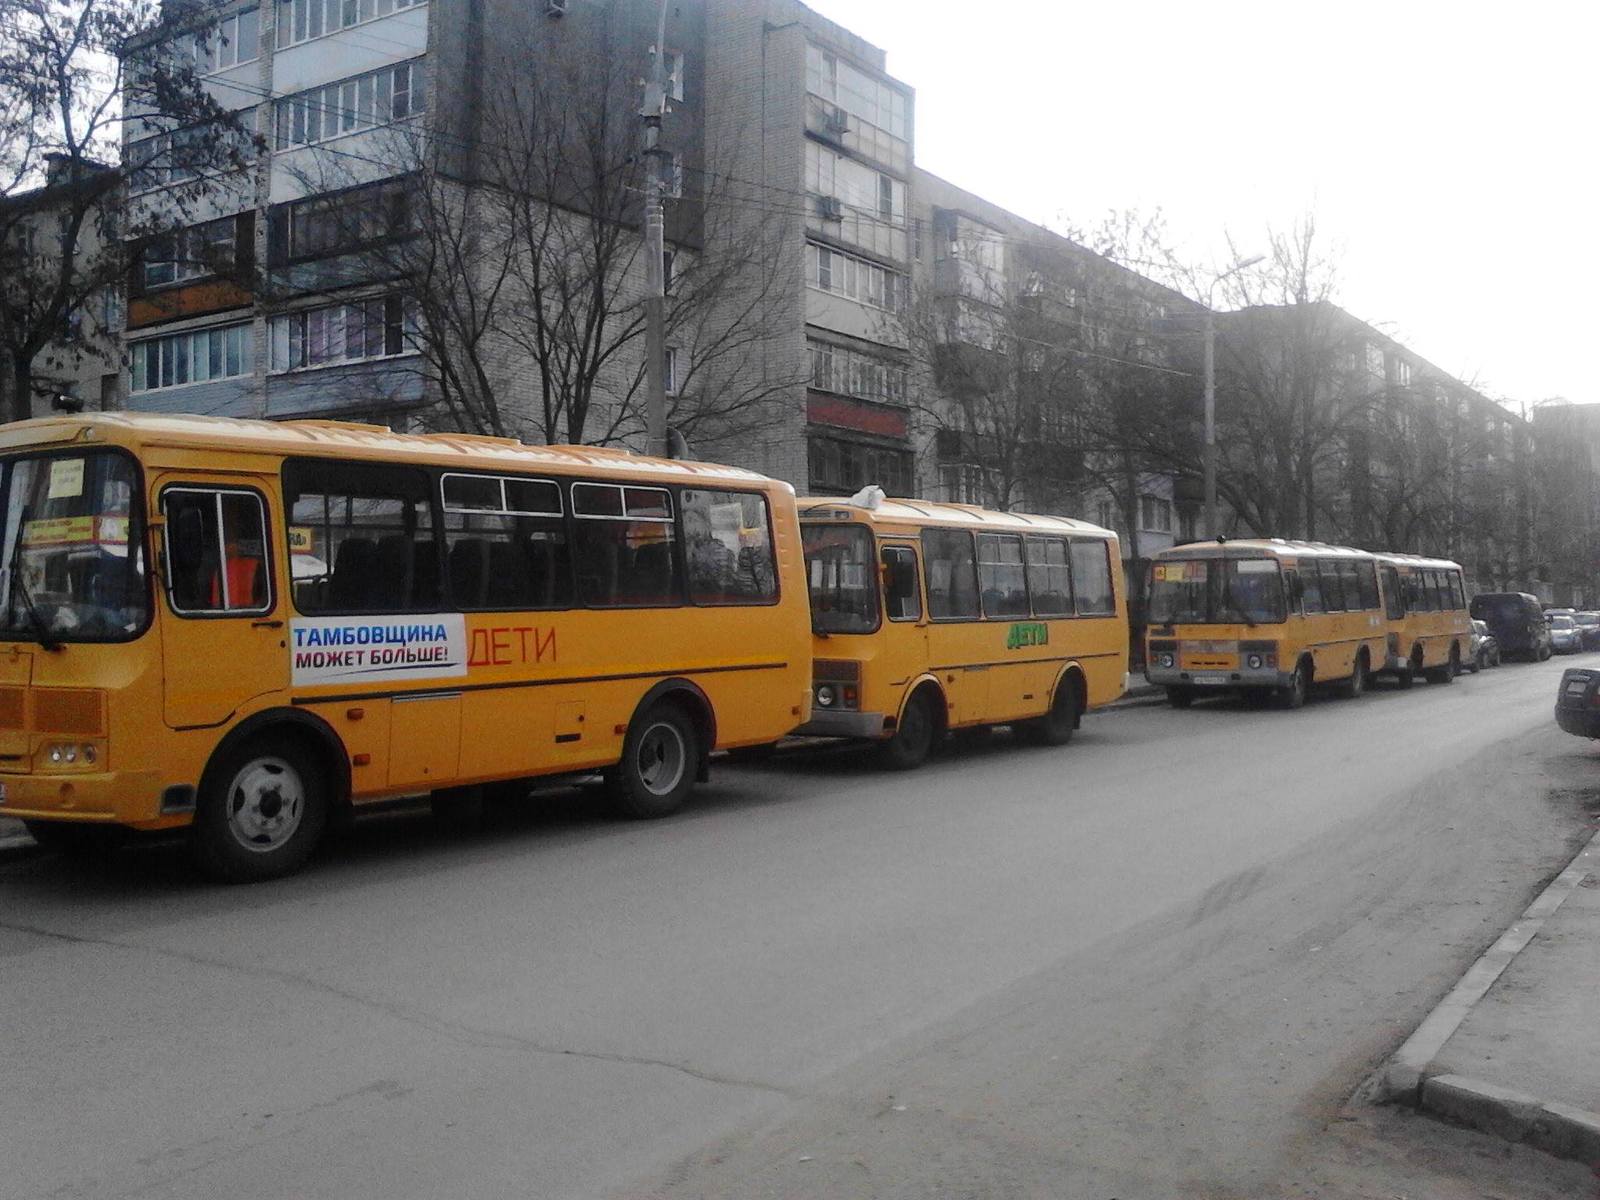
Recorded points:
904,639
223,634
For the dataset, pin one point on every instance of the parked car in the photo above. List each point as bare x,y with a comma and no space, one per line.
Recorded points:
1578,702
1565,637
1517,622
1589,625
1485,649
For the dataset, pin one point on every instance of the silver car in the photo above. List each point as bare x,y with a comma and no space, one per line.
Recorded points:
1485,648
1565,636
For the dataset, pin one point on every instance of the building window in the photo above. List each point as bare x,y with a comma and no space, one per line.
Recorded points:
861,95
674,180
231,41
841,466
674,66
360,102
852,277
357,331
348,220
1155,513
1402,373
193,253
963,483
669,374
198,356
1105,514
1186,526
855,185
302,20
170,158
1375,360
851,373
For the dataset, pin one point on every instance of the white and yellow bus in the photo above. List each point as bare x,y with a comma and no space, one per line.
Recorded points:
1263,617
931,617
250,628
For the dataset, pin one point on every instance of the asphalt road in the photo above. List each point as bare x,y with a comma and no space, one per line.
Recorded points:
1153,963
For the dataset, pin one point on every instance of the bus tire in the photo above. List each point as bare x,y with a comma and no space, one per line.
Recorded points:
658,766
1179,697
73,839
1447,671
1407,675
1057,726
1293,694
261,810
1352,688
912,741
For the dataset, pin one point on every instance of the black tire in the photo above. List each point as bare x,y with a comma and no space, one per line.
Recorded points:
1544,653
1057,726
1293,694
1179,697
1352,688
1494,659
73,839
659,758
1479,661
1407,675
912,741
1448,671
261,811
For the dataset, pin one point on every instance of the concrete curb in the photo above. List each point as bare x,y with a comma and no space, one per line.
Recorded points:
1409,1077
17,845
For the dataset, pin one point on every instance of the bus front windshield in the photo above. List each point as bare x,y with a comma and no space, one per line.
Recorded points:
71,549
842,578
1216,591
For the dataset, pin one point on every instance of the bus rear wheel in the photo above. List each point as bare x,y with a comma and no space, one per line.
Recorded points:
913,737
1447,671
261,810
657,769
1056,727
1407,675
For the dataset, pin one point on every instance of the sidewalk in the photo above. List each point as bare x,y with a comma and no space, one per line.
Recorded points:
1514,1049
13,837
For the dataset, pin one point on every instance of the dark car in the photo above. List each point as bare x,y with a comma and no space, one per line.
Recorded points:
1578,702
1588,624
1517,622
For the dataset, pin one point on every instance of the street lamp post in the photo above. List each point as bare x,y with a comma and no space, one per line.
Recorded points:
1209,457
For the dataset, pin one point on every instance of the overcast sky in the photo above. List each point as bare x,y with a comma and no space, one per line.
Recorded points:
1447,149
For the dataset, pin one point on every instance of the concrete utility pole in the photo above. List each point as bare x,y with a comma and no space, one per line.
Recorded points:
655,327
1209,459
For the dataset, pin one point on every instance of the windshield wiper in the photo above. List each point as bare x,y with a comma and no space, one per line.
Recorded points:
19,588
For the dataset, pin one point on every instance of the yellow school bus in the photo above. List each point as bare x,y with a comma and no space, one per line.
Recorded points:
251,628
1425,606
1266,618
930,617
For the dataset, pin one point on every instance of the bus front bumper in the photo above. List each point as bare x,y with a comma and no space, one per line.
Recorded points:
842,723
118,797
1241,677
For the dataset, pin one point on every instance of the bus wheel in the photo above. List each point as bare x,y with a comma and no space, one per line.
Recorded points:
1293,694
1056,727
70,839
1352,688
261,810
913,737
1407,675
1448,671
658,764
1179,697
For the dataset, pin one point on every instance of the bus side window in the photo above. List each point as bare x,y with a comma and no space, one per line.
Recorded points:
1049,577
1394,597
1001,575
361,537
1091,577
1292,591
1332,586
1350,577
625,546
1368,575
216,551
1460,590
1310,587
900,593
952,574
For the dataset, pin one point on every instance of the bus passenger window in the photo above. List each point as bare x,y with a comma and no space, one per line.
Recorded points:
1368,575
1001,575
216,551
1394,595
900,593
1332,586
1091,578
1049,577
727,541
1350,577
952,575
360,538
1459,590
1310,587
505,543
624,546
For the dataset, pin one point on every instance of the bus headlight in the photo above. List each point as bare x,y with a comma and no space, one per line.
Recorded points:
69,756
1166,660
825,695
1253,662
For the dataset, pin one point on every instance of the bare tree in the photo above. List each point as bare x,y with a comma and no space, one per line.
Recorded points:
68,80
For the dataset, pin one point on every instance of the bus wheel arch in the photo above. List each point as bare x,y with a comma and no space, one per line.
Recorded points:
272,758
1360,670
1293,694
921,723
674,717
1068,698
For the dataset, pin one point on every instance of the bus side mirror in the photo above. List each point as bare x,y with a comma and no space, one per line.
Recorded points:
187,540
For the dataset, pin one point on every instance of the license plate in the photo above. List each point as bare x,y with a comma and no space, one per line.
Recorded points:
1209,679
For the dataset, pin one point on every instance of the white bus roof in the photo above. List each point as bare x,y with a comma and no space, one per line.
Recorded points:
939,512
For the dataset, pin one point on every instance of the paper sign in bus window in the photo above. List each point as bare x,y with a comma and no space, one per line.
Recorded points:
66,478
